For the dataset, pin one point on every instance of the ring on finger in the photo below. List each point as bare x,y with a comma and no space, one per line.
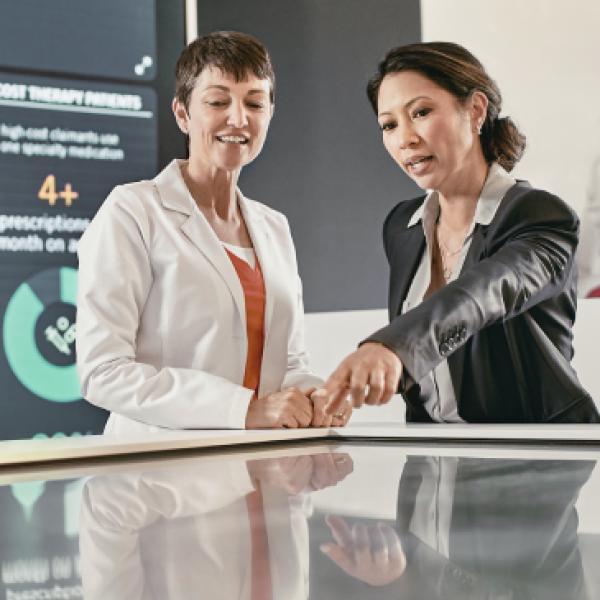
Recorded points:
339,416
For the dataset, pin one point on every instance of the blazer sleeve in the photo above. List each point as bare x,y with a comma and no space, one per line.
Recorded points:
530,254
115,276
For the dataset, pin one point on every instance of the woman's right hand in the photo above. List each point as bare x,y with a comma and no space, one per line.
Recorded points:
289,408
372,554
373,366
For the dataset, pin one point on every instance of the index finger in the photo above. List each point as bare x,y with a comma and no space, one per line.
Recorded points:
336,401
335,389
340,531
393,542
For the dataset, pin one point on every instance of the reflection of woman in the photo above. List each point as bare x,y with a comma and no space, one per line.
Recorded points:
473,528
189,304
483,275
164,533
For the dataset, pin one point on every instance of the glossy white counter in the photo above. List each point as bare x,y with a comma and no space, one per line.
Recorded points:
21,452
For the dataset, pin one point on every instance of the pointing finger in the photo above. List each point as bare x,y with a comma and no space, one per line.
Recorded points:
336,401
340,531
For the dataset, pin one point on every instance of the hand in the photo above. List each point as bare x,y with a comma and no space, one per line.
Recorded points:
329,469
289,473
292,474
372,364
289,408
372,554
322,419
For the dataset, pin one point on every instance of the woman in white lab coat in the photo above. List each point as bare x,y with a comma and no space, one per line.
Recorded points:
163,314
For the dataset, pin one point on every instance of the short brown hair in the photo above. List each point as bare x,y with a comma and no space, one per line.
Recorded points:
456,70
231,52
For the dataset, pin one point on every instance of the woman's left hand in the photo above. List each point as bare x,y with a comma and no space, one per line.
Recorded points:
293,474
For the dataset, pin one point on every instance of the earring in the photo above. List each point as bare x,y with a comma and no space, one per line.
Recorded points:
479,127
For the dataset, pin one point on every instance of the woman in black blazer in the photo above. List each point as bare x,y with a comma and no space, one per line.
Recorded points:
483,273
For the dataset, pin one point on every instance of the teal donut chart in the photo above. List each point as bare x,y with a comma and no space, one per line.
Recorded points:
48,381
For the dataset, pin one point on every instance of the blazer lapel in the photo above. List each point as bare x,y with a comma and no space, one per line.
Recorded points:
406,257
175,195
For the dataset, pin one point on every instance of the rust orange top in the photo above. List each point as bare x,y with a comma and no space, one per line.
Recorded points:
255,296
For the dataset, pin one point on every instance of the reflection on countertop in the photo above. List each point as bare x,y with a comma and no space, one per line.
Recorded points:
466,527
232,530
473,528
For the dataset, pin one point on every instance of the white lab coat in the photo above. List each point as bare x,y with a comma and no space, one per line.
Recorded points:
161,323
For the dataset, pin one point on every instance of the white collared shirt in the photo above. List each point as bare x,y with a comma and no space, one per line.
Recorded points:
437,391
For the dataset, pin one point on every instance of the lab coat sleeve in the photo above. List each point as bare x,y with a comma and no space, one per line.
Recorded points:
298,373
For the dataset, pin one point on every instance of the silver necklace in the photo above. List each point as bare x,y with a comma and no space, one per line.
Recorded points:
447,271
445,248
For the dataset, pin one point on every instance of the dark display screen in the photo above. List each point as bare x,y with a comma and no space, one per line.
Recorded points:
111,38
64,144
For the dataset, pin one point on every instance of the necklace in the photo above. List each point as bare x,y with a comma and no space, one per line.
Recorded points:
446,270
445,248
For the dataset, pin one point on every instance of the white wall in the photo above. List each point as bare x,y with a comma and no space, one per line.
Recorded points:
544,56
330,337
587,334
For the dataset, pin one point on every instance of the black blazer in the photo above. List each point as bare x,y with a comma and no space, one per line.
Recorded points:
504,324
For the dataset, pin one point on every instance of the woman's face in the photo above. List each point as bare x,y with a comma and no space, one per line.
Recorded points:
227,120
427,132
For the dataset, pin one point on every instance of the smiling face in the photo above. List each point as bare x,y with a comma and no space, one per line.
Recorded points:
227,120
428,133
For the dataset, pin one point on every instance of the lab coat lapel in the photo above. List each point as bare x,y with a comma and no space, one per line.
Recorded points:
175,195
201,234
263,246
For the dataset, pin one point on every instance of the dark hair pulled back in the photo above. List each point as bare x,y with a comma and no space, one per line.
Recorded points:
457,71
